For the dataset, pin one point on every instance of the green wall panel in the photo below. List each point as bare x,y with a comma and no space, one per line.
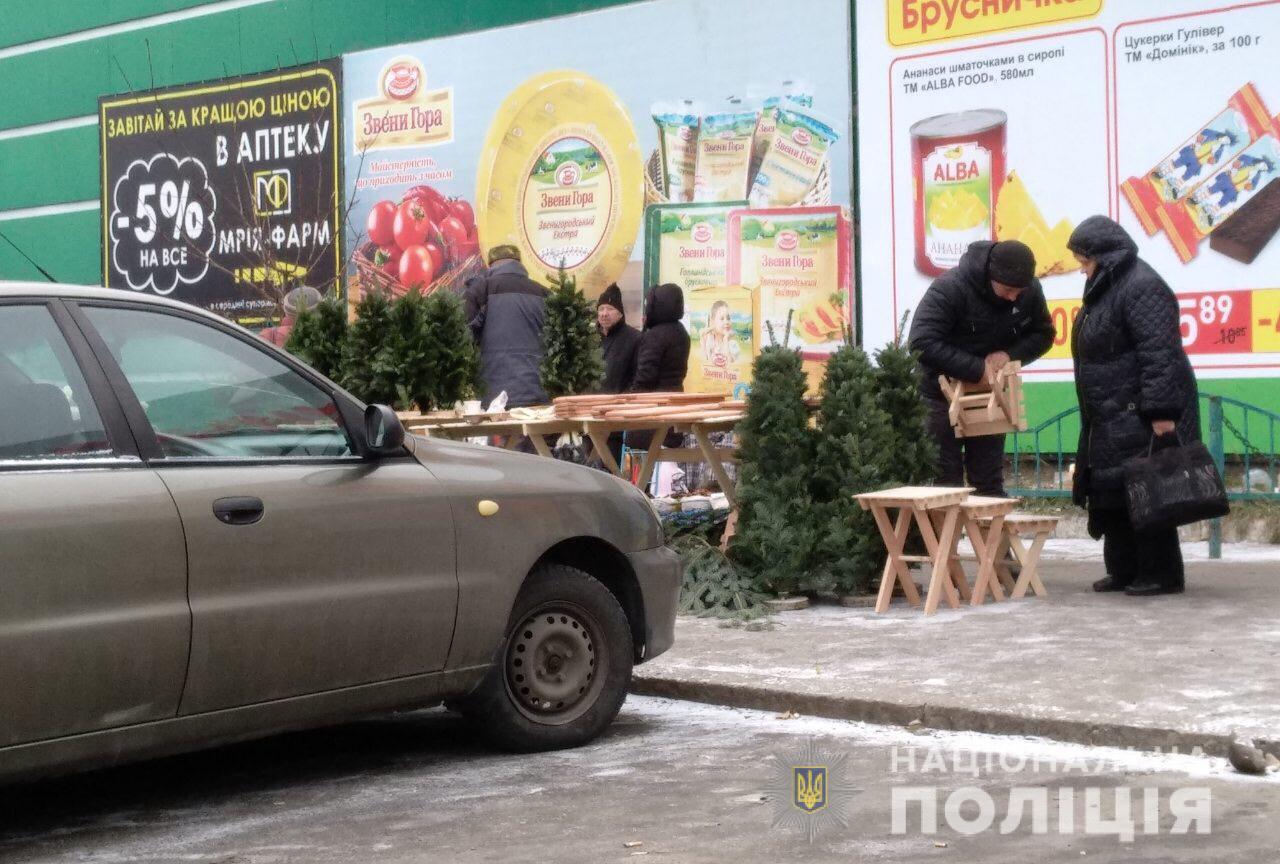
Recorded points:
25,21
52,168
66,245
67,81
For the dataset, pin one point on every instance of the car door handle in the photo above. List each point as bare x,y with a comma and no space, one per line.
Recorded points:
238,510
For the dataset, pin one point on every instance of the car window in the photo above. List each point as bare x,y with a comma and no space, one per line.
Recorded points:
210,394
46,411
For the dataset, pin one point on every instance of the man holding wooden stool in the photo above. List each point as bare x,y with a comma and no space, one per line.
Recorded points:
972,321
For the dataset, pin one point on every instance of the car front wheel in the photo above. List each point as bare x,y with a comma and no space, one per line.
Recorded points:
564,668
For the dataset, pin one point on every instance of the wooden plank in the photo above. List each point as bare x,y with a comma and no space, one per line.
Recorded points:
921,497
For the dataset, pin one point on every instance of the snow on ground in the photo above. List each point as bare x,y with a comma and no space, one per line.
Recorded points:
717,724
1091,550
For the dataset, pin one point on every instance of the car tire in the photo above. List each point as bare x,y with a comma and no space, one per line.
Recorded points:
564,667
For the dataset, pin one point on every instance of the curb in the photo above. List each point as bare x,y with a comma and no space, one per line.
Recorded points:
938,717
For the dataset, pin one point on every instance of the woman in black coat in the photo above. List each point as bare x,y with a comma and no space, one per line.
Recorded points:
662,361
1137,391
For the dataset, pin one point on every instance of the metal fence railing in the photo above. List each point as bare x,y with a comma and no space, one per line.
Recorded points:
1242,438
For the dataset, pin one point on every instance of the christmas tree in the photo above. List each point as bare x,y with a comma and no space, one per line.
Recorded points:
411,349
371,369
453,358
571,358
318,335
775,534
855,453
914,455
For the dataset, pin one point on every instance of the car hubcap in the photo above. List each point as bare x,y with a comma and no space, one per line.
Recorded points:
552,665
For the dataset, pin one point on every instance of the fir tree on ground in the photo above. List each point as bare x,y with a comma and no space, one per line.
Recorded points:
855,453
371,369
318,335
914,455
411,348
572,362
453,358
775,534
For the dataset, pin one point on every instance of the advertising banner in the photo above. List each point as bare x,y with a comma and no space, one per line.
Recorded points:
556,136
1019,119
224,194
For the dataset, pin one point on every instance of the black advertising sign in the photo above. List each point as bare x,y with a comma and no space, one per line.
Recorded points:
224,194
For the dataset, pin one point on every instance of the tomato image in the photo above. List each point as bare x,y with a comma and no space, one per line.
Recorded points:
437,256
417,267
460,208
455,233
412,225
380,224
433,201
387,259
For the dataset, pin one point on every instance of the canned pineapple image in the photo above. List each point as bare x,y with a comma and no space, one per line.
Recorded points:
958,163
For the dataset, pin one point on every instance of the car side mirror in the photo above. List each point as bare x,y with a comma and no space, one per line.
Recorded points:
383,431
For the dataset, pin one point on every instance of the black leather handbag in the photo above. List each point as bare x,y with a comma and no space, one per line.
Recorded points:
1173,486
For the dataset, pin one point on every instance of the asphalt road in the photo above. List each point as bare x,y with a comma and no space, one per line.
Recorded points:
671,781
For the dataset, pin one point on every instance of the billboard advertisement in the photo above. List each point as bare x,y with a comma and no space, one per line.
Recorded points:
649,143
224,194
1010,119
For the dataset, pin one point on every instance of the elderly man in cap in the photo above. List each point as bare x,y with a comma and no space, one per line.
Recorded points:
974,319
505,308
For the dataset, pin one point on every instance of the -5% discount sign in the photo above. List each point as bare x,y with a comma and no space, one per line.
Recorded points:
162,223
1218,322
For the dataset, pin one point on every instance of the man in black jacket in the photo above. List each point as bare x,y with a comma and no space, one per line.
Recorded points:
505,309
618,342
973,320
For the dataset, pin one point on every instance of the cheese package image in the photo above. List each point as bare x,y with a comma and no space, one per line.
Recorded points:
561,178
798,259
724,153
687,244
678,146
1217,142
721,324
796,154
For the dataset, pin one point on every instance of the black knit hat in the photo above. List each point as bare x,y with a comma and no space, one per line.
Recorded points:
1012,263
611,296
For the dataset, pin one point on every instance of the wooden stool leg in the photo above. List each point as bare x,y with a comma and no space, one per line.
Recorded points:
895,537
1003,575
1030,560
939,551
955,568
986,548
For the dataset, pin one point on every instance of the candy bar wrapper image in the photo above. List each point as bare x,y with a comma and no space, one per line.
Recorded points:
1225,192
798,260
1250,228
721,325
1243,121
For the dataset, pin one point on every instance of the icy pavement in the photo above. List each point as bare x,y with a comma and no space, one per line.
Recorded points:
670,781
1075,665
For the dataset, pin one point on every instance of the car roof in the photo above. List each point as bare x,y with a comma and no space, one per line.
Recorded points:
44,290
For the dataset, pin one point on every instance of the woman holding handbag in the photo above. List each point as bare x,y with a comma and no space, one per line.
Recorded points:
1137,393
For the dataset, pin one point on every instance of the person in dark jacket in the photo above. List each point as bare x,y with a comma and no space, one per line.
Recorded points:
505,309
1137,391
662,359
619,342
973,320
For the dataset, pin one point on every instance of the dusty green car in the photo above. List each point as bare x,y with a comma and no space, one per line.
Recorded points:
202,540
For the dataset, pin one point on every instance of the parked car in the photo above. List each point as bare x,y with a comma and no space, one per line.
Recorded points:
202,540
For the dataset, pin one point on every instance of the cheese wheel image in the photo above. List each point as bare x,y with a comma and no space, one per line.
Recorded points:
561,178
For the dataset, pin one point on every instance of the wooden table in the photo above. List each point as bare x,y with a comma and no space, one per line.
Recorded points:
926,504
512,430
